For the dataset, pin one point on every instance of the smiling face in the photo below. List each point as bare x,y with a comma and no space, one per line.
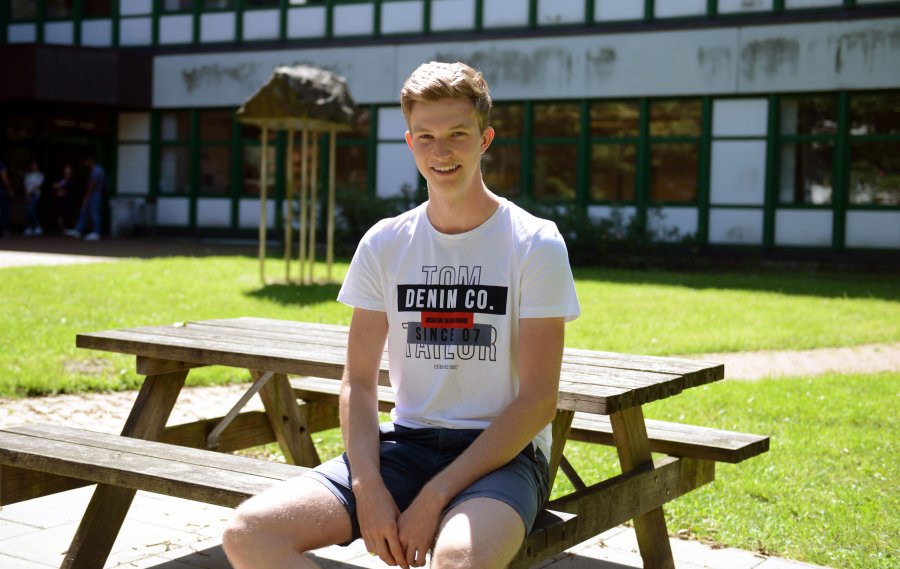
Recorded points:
447,145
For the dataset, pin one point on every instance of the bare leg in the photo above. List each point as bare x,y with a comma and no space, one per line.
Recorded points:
481,532
274,528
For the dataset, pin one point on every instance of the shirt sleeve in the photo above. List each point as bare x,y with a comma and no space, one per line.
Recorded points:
548,287
363,287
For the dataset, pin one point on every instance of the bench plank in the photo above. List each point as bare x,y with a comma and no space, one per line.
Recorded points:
677,439
668,438
200,475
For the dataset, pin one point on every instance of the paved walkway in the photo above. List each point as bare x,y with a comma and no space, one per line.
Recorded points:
169,533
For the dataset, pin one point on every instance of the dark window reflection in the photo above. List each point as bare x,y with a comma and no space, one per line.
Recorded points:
351,170
177,5
252,169
215,170
615,118
175,126
809,115
613,169
555,171
556,119
57,9
806,173
20,10
675,118
875,173
673,172
97,8
508,120
501,167
215,125
875,114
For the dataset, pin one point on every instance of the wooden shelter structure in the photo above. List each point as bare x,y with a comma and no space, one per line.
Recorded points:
310,101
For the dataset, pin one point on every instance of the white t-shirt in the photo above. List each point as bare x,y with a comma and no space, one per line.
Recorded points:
33,181
453,304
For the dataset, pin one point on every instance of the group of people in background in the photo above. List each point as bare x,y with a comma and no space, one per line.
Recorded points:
60,197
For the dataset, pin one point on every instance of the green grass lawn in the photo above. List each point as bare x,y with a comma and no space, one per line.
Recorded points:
637,312
826,493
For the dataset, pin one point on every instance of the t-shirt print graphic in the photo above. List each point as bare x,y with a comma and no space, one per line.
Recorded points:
447,303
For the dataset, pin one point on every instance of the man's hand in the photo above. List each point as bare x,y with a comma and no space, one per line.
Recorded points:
377,513
418,526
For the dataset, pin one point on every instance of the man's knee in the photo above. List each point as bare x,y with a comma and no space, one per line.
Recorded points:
482,532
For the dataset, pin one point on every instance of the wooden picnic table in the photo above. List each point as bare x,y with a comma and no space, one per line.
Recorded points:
602,392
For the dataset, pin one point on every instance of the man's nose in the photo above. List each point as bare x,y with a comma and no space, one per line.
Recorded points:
440,149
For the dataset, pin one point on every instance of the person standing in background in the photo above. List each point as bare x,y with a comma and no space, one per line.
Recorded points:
63,190
6,195
90,205
33,180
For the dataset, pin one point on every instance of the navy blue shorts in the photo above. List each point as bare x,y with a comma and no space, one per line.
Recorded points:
412,457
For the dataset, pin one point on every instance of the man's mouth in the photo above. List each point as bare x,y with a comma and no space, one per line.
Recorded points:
445,169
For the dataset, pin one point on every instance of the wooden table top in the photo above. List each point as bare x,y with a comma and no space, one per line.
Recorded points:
591,381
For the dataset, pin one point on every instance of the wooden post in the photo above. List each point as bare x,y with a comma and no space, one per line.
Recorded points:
332,157
313,199
304,186
633,447
263,220
289,207
106,511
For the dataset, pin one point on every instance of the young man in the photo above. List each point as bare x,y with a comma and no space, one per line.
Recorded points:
472,294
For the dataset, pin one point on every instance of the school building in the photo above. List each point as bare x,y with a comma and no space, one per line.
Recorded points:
764,124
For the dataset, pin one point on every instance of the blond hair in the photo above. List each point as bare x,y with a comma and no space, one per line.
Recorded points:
436,80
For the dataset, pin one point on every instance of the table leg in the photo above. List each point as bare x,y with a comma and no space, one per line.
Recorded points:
633,446
104,515
289,420
562,424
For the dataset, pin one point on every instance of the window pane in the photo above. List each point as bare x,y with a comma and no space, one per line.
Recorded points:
673,172
216,125
177,5
218,4
556,119
875,114
615,118
252,173
809,115
501,168
875,173
675,118
60,8
507,120
174,170
23,10
806,173
555,167
215,170
351,169
175,126
261,2
97,8
612,172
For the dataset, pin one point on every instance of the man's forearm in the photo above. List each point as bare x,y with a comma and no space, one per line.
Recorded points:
510,432
359,428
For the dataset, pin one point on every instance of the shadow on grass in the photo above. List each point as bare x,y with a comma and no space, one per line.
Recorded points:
798,282
297,295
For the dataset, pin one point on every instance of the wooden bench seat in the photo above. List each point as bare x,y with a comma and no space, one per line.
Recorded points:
668,438
194,474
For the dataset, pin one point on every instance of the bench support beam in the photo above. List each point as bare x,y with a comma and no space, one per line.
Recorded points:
106,512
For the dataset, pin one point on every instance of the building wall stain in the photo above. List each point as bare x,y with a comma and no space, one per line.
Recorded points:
213,75
769,57
864,43
546,64
600,62
714,62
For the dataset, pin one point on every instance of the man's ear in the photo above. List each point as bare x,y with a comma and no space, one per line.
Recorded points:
409,140
486,138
